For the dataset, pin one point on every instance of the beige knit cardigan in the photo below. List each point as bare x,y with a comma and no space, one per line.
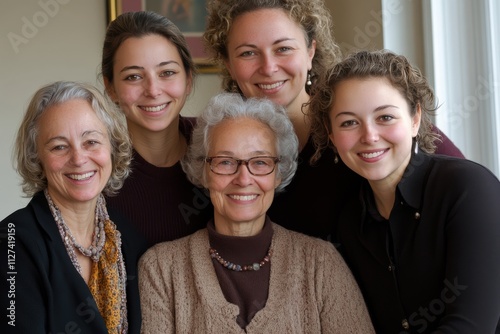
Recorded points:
311,290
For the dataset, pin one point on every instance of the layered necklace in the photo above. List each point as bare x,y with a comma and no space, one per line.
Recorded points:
95,250
108,277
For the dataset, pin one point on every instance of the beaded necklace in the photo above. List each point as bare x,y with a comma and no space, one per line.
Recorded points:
108,277
236,267
94,251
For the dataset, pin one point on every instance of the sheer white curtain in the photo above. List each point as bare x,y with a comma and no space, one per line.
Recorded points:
462,57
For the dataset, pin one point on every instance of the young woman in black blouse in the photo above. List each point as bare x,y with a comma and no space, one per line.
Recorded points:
422,236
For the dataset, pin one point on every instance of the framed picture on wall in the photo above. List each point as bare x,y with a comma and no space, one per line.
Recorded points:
188,15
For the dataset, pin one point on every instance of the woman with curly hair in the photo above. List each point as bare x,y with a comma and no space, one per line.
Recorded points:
421,236
277,49
74,264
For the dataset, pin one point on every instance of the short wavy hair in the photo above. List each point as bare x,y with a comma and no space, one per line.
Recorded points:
311,15
407,79
226,106
25,154
140,24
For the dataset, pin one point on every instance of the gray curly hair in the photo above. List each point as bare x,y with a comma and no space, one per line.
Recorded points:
232,106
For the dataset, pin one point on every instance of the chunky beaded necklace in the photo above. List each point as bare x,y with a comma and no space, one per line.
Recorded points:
98,239
236,267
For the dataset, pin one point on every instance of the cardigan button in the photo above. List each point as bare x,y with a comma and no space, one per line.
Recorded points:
405,324
417,215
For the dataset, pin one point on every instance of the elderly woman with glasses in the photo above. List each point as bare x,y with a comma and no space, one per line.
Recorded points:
243,273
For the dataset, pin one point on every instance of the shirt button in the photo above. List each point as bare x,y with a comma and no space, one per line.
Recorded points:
417,215
405,324
391,267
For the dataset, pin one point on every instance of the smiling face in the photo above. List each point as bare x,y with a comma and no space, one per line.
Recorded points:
268,57
74,151
241,200
150,82
372,128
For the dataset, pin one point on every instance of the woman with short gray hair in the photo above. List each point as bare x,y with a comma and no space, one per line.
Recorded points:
74,263
243,273
231,106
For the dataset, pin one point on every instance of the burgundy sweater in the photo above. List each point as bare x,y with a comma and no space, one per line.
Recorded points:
160,201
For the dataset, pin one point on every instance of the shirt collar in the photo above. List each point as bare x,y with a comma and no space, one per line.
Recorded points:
412,183
409,189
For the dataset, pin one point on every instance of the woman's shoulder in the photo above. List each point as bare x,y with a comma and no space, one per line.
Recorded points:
461,171
302,255
445,146
20,215
29,219
19,227
168,250
302,243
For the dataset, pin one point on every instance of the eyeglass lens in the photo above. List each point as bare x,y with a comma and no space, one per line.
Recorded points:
256,165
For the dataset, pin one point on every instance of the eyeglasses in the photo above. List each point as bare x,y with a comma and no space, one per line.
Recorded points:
258,166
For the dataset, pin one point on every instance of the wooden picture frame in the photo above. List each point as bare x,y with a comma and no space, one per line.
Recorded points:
188,15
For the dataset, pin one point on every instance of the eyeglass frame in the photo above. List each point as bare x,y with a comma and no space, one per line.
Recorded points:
240,162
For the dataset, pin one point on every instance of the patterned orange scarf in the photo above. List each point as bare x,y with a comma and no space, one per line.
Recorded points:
107,282
108,277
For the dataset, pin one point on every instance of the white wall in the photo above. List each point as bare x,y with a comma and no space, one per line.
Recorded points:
403,23
41,41
357,24
44,41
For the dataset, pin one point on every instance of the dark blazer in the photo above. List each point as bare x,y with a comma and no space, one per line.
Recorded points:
40,289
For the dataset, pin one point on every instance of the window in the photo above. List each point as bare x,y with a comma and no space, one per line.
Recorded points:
463,63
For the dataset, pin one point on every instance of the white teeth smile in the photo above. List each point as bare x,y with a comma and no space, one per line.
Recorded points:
154,109
371,155
272,86
80,177
243,198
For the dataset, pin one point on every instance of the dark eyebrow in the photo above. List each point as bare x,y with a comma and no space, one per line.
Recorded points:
379,108
135,67
350,113
274,43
